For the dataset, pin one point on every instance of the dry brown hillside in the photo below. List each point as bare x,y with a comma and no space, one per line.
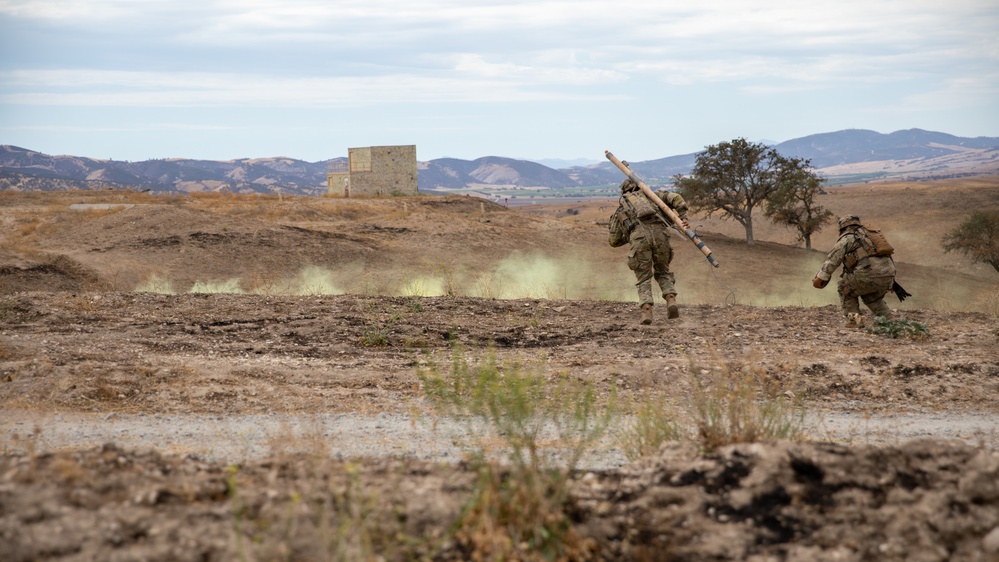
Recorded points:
464,246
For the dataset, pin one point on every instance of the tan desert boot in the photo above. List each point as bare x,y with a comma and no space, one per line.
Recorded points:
646,313
674,312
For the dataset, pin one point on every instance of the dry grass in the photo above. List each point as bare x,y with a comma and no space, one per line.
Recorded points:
726,403
743,404
988,302
327,514
22,232
655,422
518,510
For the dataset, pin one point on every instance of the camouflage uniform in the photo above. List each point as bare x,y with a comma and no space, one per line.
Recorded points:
865,277
650,253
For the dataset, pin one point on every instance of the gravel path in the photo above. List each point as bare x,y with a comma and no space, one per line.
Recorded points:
244,438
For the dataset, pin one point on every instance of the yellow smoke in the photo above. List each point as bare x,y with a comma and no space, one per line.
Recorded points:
231,287
156,284
314,280
423,287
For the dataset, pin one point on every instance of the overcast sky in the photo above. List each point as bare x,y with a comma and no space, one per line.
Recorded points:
537,79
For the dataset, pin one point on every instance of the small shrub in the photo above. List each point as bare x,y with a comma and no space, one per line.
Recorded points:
901,328
374,336
518,511
654,424
375,332
738,405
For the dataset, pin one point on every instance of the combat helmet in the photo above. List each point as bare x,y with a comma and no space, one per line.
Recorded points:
628,185
847,221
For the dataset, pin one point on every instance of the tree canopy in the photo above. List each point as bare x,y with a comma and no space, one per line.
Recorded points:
977,238
734,177
794,204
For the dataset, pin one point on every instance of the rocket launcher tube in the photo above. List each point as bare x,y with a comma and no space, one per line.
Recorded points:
665,208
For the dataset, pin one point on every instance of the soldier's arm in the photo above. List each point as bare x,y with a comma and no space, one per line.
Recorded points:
834,259
675,201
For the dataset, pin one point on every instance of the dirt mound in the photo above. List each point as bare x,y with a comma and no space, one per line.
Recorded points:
927,500
189,245
59,274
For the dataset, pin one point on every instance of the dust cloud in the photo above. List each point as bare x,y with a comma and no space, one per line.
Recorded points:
514,277
585,277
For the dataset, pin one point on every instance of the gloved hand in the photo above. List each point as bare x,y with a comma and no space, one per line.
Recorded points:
819,283
686,225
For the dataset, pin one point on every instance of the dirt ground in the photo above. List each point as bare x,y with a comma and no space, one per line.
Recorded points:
210,309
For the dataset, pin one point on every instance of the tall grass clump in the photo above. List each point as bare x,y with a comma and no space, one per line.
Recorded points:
733,404
517,510
654,423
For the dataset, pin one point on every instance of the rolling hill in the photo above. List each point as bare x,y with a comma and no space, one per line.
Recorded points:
848,156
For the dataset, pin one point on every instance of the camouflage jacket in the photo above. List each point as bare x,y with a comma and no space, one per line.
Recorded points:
845,253
628,215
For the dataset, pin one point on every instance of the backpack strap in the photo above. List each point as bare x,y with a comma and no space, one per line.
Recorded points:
630,221
852,257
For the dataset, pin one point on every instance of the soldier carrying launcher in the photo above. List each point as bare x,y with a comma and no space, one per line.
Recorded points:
641,220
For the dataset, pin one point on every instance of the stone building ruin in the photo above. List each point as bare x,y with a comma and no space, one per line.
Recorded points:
372,171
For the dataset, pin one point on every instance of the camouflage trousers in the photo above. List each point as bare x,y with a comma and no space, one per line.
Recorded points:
871,290
649,258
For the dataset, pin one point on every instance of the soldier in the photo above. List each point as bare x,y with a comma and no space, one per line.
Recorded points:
866,275
641,222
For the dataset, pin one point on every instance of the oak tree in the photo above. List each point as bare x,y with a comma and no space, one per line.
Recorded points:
977,238
733,178
794,203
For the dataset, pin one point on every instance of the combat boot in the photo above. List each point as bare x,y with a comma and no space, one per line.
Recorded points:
646,313
854,320
673,311
879,308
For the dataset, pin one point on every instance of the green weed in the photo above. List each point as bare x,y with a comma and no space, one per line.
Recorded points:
374,336
375,332
900,328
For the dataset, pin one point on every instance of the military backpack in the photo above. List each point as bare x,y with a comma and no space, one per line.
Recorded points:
872,243
879,245
639,205
619,227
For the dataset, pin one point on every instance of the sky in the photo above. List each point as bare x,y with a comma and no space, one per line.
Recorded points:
535,79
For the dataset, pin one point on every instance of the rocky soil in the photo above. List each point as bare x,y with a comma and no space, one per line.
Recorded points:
175,425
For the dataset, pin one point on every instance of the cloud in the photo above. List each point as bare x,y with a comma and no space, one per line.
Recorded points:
481,83
514,68
962,92
717,40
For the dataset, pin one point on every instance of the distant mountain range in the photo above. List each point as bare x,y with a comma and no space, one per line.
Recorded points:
848,156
